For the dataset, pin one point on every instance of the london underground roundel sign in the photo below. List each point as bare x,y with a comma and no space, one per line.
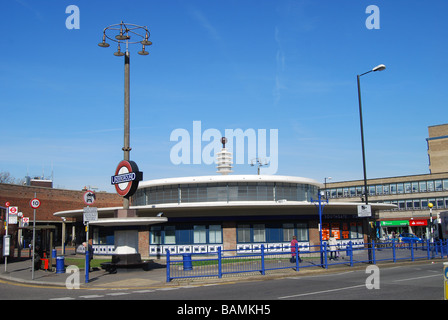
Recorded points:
126,178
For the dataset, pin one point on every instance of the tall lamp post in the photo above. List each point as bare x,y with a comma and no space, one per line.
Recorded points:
126,33
380,67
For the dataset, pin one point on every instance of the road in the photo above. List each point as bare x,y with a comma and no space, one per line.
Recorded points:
423,281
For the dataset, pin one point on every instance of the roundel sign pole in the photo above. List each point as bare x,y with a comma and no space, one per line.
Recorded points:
126,179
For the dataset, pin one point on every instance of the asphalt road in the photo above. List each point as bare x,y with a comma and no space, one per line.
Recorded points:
422,281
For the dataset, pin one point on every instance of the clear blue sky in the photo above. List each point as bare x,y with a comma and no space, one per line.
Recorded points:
248,64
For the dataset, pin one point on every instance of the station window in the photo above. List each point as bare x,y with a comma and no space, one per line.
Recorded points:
199,234
259,233
243,233
288,231
215,234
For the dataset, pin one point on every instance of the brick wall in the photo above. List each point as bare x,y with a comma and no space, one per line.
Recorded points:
52,200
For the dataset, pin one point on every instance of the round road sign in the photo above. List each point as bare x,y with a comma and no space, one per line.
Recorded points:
35,203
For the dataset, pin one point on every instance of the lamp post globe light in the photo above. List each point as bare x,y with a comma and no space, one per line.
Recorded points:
126,34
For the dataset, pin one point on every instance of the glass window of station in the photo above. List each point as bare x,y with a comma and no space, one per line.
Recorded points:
225,192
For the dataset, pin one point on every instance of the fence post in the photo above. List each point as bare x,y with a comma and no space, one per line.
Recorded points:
262,260
373,252
351,253
427,249
412,250
168,278
446,248
393,251
297,257
441,249
219,263
325,256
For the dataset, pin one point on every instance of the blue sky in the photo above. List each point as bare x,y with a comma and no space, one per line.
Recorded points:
285,65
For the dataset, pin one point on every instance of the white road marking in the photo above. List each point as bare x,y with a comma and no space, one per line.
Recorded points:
324,291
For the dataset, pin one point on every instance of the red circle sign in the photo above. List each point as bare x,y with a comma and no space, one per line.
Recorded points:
35,203
126,178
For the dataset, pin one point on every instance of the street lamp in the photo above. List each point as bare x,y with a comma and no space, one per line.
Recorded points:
380,67
126,33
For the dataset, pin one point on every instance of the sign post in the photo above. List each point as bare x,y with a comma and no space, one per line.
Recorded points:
34,203
7,204
89,214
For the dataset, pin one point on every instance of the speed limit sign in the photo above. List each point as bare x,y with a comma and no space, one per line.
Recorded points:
35,203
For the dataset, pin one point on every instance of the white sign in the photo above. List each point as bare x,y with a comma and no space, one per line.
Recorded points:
364,210
90,214
6,245
12,219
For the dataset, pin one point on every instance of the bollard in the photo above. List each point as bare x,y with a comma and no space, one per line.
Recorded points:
187,262
60,268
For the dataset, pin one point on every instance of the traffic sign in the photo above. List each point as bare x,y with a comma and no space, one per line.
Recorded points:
364,210
25,222
35,203
89,197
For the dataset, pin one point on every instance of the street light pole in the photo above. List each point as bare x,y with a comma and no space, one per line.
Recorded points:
380,67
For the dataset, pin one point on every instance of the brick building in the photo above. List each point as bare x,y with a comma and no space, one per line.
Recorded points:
52,200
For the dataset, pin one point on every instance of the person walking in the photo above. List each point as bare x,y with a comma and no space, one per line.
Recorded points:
333,247
295,256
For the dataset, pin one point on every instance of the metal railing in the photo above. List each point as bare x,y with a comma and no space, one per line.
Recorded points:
260,260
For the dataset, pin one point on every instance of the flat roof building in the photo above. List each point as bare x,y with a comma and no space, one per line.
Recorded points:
231,211
438,148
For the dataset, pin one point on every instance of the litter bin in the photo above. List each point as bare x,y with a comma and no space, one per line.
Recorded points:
54,253
187,262
60,268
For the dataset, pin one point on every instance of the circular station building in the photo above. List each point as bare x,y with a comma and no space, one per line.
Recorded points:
238,212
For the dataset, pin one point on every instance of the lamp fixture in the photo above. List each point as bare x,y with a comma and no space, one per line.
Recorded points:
380,67
118,53
143,52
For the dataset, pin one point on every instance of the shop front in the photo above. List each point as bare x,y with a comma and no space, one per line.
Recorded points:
393,228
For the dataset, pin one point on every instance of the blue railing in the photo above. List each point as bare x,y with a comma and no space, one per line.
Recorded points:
251,261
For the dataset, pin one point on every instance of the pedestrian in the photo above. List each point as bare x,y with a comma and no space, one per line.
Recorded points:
333,244
88,247
295,243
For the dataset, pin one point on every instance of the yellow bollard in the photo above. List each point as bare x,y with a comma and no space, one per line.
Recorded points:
445,280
